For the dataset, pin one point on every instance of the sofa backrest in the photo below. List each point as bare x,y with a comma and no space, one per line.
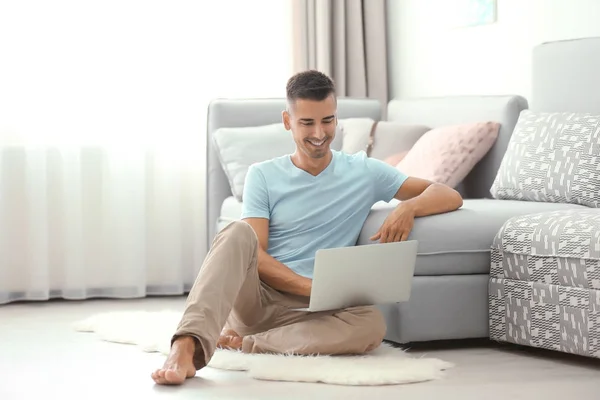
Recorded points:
565,76
442,111
233,113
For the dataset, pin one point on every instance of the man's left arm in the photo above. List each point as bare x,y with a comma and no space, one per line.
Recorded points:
427,198
419,197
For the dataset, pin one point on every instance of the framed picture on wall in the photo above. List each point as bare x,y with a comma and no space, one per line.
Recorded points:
469,13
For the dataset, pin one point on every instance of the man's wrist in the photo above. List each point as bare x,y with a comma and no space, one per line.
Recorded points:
307,287
408,206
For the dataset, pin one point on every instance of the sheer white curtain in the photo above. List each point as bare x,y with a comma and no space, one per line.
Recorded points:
102,136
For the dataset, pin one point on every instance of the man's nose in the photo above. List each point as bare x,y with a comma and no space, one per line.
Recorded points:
320,131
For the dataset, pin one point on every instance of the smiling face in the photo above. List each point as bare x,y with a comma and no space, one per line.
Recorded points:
313,125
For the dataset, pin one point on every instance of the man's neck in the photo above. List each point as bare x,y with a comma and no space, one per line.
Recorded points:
313,166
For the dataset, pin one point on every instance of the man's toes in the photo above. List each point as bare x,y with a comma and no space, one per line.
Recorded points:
174,376
156,374
230,332
157,378
166,377
230,342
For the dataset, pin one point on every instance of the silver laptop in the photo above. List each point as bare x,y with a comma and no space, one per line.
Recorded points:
371,274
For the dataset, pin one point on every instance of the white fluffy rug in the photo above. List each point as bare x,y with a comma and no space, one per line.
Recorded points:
152,332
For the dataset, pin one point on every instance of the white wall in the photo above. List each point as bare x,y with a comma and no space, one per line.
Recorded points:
428,57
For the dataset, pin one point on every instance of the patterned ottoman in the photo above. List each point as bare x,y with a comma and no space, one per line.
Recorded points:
544,286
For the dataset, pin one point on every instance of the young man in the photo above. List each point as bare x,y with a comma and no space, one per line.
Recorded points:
259,269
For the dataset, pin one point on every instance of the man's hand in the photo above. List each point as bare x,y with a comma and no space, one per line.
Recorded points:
419,198
397,226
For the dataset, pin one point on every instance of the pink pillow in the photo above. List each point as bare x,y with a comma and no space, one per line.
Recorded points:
447,154
394,159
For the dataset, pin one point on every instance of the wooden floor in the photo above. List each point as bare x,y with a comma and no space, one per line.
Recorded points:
42,356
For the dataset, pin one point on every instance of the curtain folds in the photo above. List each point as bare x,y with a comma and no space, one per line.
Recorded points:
103,136
345,39
89,222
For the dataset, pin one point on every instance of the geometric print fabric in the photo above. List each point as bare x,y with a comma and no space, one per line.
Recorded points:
552,157
544,288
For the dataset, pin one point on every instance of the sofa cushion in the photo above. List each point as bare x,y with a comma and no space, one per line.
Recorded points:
389,139
240,147
544,288
231,210
447,154
560,247
552,157
458,242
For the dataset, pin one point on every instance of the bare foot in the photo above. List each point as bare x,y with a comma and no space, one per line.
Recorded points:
230,340
179,365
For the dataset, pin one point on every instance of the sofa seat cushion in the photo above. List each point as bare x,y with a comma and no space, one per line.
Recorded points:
544,288
231,210
546,246
458,242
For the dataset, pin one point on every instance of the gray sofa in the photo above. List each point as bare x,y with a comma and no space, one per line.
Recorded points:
454,295
545,273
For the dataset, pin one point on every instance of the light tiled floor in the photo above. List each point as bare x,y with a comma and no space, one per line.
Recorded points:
41,357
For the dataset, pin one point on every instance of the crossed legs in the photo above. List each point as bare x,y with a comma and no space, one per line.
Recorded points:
230,307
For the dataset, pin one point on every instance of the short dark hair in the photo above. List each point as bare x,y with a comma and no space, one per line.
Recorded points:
309,85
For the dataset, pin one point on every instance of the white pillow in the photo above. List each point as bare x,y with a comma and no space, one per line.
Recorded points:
356,134
390,137
239,148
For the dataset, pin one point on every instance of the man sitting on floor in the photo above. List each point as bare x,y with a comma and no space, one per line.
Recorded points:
259,269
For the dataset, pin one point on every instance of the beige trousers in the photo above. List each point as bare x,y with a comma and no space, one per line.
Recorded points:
229,294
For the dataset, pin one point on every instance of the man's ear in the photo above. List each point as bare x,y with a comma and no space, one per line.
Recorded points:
285,116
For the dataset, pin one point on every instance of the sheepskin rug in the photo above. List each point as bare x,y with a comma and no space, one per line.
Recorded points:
386,365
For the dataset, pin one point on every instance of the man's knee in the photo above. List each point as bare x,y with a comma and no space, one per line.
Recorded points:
375,328
371,322
240,231
377,324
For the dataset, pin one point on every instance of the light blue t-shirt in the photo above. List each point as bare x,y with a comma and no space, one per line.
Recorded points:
307,212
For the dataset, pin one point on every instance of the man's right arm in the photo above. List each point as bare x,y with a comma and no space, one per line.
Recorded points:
273,272
256,212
